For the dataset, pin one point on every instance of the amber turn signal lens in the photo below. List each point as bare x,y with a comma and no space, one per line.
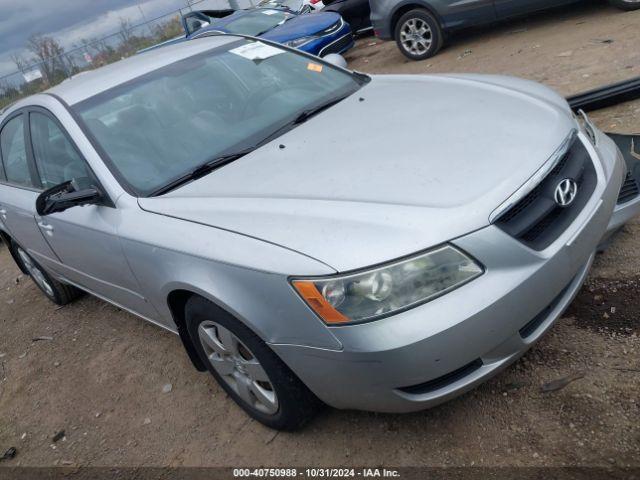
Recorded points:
318,303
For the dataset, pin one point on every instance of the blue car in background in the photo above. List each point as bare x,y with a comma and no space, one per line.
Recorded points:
319,33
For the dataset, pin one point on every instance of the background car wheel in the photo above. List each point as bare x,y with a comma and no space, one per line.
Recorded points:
418,35
59,293
247,369
626,4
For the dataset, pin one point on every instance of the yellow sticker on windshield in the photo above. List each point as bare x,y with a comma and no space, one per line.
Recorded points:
314,67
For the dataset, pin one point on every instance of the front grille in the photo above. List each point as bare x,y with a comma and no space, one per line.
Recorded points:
337,46
444,380
629,189
332,29
537,220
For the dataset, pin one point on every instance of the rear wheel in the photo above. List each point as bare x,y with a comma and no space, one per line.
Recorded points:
247,369
626,4
59,293
418,34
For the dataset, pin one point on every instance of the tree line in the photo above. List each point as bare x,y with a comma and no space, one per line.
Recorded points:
48,63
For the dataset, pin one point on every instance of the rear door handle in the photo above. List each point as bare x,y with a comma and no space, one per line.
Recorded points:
3,213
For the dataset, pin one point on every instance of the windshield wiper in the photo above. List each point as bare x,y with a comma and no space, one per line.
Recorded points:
217,162
201,171
307,114
300,118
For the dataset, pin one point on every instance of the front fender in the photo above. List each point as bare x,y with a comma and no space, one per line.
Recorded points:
244,276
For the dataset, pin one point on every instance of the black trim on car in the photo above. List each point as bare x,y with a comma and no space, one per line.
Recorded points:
532,325
3,174
444,380
606,96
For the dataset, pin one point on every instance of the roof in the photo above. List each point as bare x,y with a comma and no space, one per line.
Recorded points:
92,82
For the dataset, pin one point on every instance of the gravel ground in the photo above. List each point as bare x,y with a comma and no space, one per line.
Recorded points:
102,378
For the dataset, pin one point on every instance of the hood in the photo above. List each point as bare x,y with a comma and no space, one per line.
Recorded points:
404,164
302,26
296,27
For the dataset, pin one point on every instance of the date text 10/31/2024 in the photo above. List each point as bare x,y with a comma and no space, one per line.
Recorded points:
315,473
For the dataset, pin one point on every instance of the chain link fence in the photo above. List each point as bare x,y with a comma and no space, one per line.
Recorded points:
38,76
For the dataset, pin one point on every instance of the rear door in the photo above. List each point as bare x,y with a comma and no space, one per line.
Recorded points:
19,188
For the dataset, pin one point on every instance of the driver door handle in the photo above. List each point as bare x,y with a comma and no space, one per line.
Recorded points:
45,226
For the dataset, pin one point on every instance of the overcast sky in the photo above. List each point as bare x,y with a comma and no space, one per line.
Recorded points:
71,20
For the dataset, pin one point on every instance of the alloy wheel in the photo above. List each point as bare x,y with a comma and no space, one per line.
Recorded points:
35,273
416,36
238,367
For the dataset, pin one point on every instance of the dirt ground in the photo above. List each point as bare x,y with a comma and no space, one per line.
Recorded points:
101,378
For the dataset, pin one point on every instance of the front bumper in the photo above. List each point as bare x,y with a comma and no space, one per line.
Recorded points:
429,354
622,213
338,42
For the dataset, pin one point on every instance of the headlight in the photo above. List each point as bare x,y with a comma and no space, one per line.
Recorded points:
383,291
298,42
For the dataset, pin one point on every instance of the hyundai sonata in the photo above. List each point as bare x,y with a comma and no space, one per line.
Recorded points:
423,244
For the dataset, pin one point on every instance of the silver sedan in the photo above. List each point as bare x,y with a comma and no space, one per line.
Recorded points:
312,234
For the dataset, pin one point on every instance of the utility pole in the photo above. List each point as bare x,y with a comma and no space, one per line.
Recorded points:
144,18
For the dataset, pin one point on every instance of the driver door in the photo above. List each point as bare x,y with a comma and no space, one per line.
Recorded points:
84,238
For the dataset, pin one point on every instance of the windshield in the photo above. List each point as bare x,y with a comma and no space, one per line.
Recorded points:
294,5
258,22
168,122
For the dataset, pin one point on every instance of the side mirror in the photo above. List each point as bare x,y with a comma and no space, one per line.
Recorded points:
306,9
200,24
64,196
194,21
335,59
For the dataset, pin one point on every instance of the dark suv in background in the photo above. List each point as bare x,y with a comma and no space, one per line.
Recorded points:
419,26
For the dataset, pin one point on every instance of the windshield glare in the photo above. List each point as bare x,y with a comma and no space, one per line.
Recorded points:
258,22
168,122
294,5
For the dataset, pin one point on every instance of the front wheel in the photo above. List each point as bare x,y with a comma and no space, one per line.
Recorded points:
247,369
626,4
418,35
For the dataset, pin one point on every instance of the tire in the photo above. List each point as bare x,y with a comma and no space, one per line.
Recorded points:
418,34
249,371
58,292
627,5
